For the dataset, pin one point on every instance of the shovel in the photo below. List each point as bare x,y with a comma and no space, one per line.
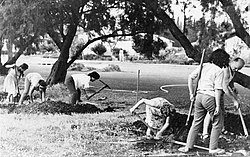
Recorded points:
187,124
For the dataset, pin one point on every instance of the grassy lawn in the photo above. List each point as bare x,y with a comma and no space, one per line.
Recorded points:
64,135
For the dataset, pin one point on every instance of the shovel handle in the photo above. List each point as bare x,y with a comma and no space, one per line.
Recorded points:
96,92
243,123
196,87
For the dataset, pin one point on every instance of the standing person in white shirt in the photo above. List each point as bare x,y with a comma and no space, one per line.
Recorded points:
11,80
208,100
33,81
235,65
77,81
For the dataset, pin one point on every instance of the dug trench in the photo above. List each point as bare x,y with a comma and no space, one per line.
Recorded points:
233,140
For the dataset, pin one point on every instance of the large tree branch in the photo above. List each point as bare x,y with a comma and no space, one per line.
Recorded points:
241,32
242,79
170,24
78,52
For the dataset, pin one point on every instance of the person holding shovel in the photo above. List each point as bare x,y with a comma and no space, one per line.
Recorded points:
158,114
11,80
235,65
75,82
208,100
33,81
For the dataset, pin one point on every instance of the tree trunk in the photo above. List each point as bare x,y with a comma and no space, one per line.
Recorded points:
240,78
58,72
241,32
175,31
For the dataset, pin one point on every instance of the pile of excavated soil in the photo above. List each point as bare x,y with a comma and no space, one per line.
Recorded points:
56,107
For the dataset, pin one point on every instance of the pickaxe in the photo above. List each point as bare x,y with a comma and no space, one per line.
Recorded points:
105,86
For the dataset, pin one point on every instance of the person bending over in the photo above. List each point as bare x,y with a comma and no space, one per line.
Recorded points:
158,114
33,81
75,82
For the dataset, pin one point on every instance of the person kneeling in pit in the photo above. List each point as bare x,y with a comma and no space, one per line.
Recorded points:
158,114
33,81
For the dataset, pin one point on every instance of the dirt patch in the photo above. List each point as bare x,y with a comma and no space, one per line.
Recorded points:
55,107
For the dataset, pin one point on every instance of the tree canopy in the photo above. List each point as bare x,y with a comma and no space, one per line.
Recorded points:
25,22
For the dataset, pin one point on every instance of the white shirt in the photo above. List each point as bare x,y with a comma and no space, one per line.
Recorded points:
34,78
211,78
81,80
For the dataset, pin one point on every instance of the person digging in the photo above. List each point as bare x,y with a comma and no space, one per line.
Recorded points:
76,82
159,113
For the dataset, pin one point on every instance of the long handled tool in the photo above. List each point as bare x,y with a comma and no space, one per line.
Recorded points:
241,117
243,123
105,86
195,89
192,102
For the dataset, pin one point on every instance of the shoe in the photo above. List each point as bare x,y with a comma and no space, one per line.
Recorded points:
216,151
184,149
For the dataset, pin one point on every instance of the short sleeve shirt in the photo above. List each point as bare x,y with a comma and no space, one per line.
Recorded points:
81,80
211,78
34,78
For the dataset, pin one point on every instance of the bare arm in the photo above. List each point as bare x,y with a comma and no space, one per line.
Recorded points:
226,88
42,95
164,127
139,103
31,92
218,93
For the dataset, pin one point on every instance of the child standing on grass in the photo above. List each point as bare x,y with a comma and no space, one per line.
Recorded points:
75,82
158,114
11,80
208,99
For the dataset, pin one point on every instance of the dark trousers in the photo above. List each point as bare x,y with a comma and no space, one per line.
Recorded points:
75,93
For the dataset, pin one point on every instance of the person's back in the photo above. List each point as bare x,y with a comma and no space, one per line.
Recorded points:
208,82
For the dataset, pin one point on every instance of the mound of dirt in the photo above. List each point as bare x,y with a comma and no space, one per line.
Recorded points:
56,107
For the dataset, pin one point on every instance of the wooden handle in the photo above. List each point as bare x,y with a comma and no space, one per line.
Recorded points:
243,123
196,87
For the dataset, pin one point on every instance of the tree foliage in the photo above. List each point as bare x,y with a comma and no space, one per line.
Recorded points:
25,21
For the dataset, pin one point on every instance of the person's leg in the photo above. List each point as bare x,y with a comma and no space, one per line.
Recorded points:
206,125
71,87
78,99
26,90
216,130
216,123
149,119
199,115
